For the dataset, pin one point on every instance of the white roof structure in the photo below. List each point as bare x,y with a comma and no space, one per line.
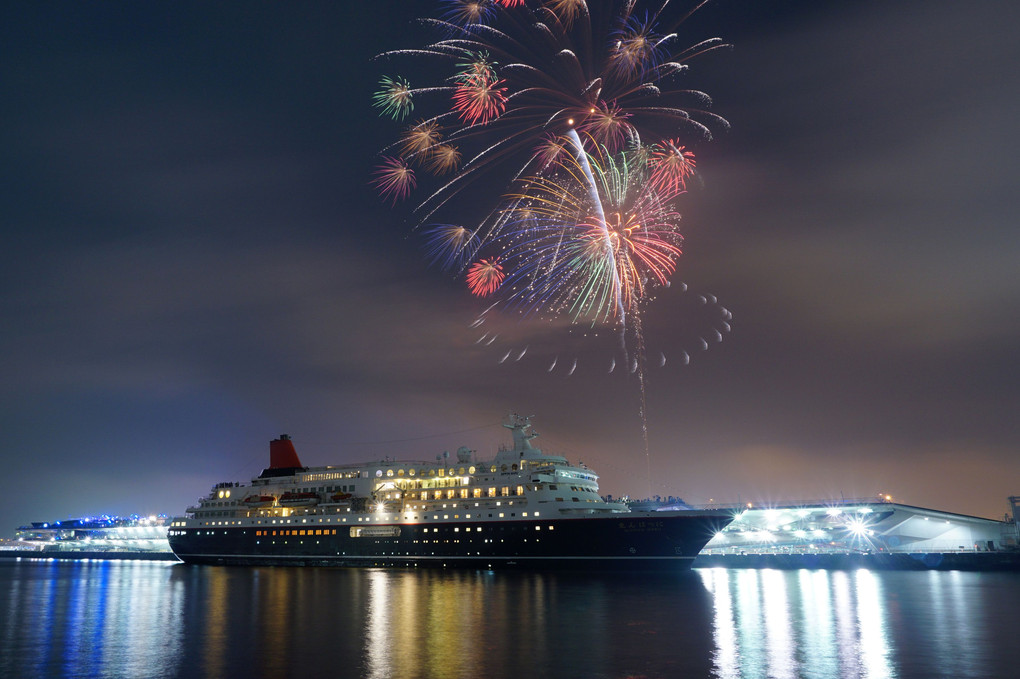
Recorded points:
858,526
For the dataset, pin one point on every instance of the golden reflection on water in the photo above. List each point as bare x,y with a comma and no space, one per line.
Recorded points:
431,624
790,624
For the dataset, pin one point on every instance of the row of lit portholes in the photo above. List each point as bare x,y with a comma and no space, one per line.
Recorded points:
444,472
432,472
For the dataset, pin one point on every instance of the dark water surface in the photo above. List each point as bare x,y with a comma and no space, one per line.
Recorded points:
156,619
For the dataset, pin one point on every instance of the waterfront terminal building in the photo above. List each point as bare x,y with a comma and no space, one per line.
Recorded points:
866,532
94,537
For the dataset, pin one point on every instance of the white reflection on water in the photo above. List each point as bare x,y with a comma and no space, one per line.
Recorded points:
871,624
726,657
378,644
816,611
789,624
779,635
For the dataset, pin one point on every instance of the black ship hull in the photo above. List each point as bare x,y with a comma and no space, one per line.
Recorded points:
641,541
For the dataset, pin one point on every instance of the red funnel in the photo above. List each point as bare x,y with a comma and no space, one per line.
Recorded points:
282,454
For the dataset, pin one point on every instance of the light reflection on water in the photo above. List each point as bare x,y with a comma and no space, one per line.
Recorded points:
140,619
789,624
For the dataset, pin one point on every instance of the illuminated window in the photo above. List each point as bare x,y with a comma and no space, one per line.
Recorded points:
520,490
410,472
442,472
389,472
464,493
450,493
477,492
492,492
471,470
505,491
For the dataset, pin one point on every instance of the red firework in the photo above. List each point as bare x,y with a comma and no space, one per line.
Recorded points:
485,276
671,165
480,98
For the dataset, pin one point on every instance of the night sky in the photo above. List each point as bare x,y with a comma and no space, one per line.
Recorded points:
195,263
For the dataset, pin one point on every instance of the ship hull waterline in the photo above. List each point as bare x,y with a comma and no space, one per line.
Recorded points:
631,541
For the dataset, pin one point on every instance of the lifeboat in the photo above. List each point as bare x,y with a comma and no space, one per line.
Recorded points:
299,499
340,497
258,500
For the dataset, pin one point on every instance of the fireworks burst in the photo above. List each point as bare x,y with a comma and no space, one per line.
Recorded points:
485,276
450,246
480,98
394,98
523,72
468,12
419,139
444,159
394,178
671,165
592,255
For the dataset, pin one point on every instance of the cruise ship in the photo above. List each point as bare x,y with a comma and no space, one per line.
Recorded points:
523,508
